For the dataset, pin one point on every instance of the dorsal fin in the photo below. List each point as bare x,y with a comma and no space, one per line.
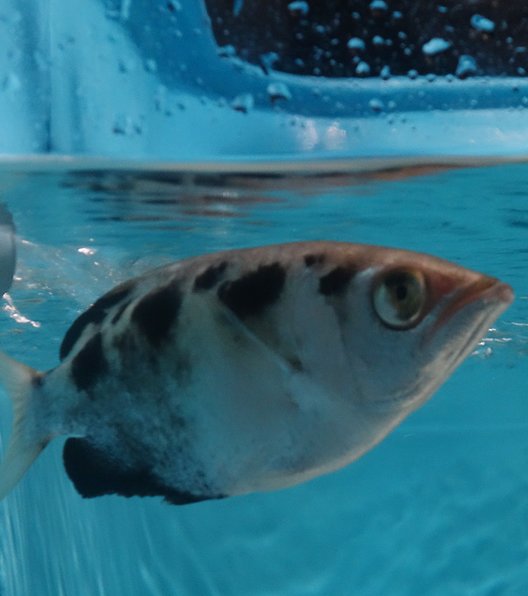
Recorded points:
95,473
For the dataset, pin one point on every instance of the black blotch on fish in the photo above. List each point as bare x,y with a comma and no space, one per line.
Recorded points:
94,473
156,313
89,364
210,277
95,314
335,282
252,293
311,259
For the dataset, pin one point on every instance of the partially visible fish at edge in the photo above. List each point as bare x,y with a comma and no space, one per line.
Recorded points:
247,370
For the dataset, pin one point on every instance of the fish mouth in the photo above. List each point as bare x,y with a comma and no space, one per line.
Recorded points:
488,293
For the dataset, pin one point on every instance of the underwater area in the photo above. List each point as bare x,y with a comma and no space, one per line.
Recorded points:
138,132
438,507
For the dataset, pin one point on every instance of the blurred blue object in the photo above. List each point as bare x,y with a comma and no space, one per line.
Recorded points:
157,80
7,249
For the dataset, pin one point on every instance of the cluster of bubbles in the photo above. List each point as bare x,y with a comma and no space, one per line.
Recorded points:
353,38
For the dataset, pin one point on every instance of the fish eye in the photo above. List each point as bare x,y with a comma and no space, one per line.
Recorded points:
399,298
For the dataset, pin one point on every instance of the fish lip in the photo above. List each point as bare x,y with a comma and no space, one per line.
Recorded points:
486,290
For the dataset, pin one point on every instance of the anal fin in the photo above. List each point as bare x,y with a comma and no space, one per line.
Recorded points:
94,473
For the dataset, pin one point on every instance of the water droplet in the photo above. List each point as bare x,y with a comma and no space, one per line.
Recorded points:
122,125
436,45
356,44
160,100
173,6
377,40
268,61
362,69
385,72
466,67
376,105
378,7
397,15
227,51
299,8
481,23
126,65
126,125
277,91
412,74
243,102
442,9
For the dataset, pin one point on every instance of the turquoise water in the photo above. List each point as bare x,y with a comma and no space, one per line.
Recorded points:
439,508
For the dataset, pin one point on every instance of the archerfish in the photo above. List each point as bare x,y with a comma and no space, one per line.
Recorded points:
247,370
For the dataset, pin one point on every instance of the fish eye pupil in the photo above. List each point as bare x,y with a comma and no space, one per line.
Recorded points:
401,292
399,298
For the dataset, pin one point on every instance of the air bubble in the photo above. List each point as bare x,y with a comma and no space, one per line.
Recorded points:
123,125
227,51
277,91
356,44
376,105
362,69
243,103
174,6
481,23
126,66
378,7
299,8
436,45
466,67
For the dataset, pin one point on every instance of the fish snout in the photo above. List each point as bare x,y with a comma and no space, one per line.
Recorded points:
485,293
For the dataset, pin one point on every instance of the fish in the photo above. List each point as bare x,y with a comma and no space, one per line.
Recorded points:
246,370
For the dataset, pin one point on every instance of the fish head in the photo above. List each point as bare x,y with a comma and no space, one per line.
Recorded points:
423,317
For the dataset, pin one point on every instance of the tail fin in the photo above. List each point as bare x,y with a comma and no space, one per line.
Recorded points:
22,449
